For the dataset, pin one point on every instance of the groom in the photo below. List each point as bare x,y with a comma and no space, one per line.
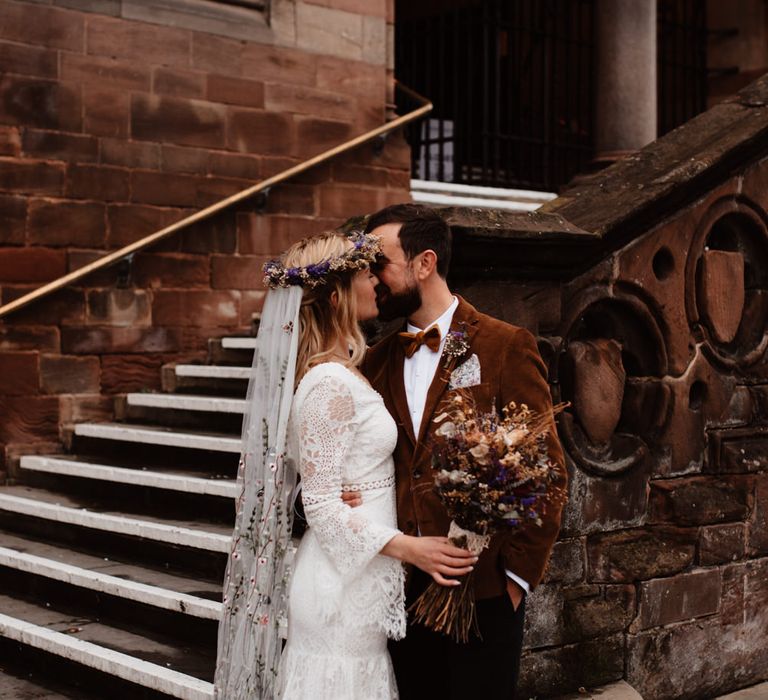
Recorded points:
413,371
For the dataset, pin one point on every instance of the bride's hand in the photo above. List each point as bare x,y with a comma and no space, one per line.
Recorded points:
433,555
352,498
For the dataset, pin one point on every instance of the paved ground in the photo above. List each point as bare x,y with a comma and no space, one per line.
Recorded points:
13,688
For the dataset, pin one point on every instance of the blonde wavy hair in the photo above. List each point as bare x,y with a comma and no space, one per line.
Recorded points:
322,323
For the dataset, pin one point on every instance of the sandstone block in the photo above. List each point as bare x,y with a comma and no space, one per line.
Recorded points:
79,408
215,235
31,264
757,542
116,37
166,189
720,544
25,23
159,270
315,135
130,154
124,373
353,78
237,271
292,199
105,71
29,418
609,610
639,554
32,177
40,338
29,60
176,120
259,131
40,103
98,341
61,223
58,146
269,234
178,83
682,597
99,182
10,141
239,166
128,223
118,307
700,500
13,214
19,372
64,307
251,303
62,374
107,111
181,159
566,563
196,308
346,201
235,91
281,97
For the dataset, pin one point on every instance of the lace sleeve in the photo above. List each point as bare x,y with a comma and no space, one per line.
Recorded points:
327,423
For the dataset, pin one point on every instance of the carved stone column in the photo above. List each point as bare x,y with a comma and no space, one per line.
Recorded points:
625,106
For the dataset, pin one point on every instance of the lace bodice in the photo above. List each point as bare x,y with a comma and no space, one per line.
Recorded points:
344,436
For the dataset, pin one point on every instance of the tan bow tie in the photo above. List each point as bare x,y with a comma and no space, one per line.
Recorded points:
413,341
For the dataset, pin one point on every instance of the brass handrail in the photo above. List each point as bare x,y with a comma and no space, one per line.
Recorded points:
209,211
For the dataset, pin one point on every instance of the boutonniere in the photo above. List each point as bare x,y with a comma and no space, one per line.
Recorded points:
456,344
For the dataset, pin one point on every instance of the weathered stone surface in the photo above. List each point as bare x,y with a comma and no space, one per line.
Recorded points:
13,212
640,554
62,374
566,563
700,500
157,270
722,292
548,672
682,597
701,659
124,373
119,307
31,264
29,418
598,380
720,544
742,450
196,308
608,611
85,407
97,341
757,528
40,338
19,373
64,307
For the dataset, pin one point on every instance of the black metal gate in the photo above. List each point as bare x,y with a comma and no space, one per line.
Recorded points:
512,84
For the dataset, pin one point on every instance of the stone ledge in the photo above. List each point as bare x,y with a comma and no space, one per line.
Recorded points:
621,690
755,692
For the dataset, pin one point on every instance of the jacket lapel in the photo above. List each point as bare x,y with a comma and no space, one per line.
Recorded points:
465,320
396,382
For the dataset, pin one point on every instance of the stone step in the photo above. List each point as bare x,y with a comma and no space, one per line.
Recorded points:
67,466
187,402
154,435
239,343
66,572
97,645
447,194
221,380
65,510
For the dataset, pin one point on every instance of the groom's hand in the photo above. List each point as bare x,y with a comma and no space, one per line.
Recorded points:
352,498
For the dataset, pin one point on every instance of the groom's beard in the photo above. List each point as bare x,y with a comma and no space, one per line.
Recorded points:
402,305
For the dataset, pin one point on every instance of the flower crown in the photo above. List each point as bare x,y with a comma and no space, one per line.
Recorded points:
365,250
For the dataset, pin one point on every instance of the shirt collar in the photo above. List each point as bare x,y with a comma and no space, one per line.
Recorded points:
443,322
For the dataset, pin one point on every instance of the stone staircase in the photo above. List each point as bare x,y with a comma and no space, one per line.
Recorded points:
112,555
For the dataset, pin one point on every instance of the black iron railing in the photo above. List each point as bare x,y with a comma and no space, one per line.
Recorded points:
512,84
682,65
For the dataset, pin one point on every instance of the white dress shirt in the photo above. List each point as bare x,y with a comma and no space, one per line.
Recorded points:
418,373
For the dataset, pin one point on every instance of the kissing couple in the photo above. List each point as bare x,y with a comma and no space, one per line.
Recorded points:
348,428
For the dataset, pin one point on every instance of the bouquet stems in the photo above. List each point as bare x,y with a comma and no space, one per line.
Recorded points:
451,610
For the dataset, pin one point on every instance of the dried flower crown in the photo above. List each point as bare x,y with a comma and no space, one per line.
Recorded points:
364,252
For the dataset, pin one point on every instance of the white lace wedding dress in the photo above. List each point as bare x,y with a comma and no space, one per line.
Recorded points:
345,598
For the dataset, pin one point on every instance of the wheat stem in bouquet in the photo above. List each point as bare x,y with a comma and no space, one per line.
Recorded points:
493,474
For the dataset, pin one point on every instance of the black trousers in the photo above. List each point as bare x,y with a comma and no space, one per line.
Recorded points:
429,665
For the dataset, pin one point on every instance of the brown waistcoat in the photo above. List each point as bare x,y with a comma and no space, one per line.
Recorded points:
511,370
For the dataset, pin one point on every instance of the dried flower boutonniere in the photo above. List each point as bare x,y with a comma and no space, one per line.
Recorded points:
456,344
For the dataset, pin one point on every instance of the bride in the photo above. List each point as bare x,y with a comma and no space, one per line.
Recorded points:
310,412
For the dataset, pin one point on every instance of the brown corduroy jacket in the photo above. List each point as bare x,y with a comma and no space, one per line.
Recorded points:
511,370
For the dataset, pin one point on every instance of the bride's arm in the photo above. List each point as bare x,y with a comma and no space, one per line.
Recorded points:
327,424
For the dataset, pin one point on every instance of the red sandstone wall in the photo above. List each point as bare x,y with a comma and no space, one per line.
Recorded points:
112,128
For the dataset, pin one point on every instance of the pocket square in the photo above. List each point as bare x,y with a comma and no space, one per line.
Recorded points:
467,374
